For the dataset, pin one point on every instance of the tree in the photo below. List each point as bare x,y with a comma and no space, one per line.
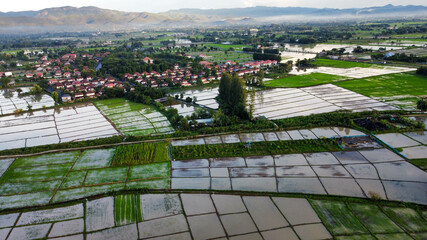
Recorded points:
183,124
207,72
232,96
19,91
252,103
422,70
260,77
422,104
55,96
194,99
36,89
5,82
169,100
224,90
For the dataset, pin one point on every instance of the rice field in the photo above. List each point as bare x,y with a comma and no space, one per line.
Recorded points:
124,209
134,119
399,89
221,56
304,80
138,154
292,102
205,97
206,216
184,109
53,126
11,101
338,218
61,177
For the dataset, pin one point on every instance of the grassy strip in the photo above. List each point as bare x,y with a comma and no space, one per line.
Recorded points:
138,154
398,84
304,80
421,163
257,148
320,62
227,46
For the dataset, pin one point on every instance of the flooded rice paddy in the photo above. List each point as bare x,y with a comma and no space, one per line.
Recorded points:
11,101
52,126
291,102
134,118
363,173
355,72
212,216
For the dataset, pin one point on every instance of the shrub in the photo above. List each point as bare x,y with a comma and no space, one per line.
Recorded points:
422,70
422,104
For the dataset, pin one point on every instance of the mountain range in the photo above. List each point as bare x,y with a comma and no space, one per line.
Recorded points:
94,18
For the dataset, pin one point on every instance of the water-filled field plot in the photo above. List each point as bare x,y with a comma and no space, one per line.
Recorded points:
291,102
204,97
54,126
61,177
366,173
314,133
413,144
134,118
206,216
11,101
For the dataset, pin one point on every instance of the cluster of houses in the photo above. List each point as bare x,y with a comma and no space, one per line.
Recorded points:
69,82
55,67
184,76
78,87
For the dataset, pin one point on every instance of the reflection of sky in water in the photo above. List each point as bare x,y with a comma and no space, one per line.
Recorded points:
320,47
10,101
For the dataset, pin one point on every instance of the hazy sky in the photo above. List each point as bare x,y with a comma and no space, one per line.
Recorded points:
165,5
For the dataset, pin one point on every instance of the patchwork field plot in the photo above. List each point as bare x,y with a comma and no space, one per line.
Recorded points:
124,209
221,57
53,126
138,154
400,89
362,72
204,97
134,118
314,133
185,109
10,101
357,221
338,218
365,173
284,103
67,176
206,216
413,144
304,80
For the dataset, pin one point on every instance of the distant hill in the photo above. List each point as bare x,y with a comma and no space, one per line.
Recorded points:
257,12
93,18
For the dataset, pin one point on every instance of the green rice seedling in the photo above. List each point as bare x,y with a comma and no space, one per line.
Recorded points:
138,154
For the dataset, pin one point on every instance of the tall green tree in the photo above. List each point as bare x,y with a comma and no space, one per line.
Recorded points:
55,96
224,90
260,78
5,82
232,96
